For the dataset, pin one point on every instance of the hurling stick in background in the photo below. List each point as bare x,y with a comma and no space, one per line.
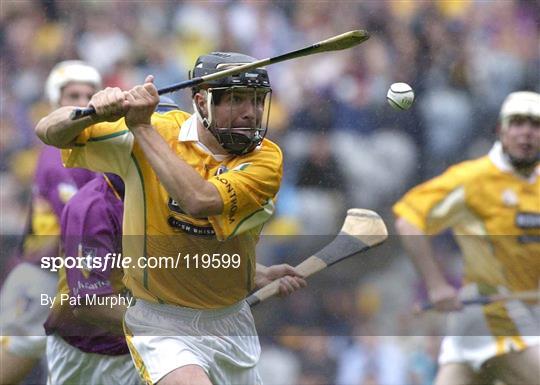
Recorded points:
487,299
336,43
362,230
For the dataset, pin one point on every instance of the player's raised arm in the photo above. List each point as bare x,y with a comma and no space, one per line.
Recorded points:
59,130
195,195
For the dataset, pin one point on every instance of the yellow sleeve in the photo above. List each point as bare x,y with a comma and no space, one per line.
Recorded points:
103,147
248,192
437,204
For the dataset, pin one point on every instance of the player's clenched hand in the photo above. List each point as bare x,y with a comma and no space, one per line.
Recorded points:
142,101
289,279
445,298
110,104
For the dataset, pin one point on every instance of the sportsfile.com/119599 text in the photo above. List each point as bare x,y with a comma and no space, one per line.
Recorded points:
116,260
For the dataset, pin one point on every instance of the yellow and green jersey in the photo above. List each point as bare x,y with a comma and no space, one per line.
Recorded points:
494,213
155,226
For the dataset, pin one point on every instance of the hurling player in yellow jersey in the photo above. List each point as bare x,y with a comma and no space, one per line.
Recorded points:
493,206
198,189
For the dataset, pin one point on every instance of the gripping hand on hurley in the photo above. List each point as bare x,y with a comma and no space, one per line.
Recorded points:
110,105
142,101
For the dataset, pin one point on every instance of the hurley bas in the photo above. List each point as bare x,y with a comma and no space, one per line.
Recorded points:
87,300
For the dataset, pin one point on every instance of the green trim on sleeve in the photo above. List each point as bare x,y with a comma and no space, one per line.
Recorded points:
268,204
139,171
109,136
242,167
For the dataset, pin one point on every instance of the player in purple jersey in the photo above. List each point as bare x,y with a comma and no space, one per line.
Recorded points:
70,83
86,343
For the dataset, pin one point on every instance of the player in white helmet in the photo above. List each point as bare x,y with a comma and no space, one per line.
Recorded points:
70,83
492,204
518,109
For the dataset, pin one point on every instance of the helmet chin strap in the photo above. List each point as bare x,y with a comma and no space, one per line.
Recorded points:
206,122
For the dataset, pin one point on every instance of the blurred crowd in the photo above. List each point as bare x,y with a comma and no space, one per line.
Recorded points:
343,144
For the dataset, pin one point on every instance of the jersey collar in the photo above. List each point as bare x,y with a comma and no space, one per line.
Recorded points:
501,161
189,133
188,130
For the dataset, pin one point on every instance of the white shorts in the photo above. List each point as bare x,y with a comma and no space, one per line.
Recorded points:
22,315
471,341
68,365
223,342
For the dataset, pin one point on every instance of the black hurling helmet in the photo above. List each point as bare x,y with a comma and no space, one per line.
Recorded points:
236,140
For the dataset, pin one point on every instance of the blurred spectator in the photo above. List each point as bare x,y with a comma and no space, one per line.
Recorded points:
447,114
318,367
372,360
320,169
321,188
102,44
278,366
423,361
